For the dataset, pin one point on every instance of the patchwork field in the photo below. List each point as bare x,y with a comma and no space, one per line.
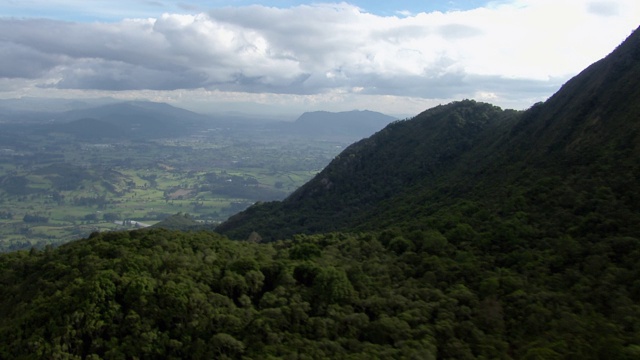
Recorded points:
55,188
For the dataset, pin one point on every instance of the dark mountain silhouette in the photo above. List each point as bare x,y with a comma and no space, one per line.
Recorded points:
114,120
347,124
591,114
146,119
135,119
473,151
31,110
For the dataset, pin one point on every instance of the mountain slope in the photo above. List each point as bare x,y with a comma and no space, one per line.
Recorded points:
380,167
91,129
592,111
582,139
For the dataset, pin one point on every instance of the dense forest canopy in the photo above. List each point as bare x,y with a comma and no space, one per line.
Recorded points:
394,294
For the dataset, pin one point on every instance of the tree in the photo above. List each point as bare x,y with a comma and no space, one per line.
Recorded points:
91,217
226,345
110,217
332,286
28,218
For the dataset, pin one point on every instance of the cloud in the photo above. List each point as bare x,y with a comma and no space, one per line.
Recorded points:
603,8
458,31
19,61
503,51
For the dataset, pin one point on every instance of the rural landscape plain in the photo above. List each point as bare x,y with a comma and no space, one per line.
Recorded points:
62,180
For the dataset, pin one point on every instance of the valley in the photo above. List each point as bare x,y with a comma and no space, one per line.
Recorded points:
56,187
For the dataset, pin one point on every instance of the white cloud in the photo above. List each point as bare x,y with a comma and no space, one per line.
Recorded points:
511,53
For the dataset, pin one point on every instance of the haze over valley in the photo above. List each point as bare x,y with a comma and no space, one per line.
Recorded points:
89,168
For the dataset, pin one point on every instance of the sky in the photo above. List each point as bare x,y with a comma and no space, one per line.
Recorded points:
286,57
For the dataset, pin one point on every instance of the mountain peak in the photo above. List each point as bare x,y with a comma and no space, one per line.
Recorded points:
353,125
403,154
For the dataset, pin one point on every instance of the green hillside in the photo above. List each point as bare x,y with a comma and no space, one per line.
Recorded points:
405,154
547,162
467,232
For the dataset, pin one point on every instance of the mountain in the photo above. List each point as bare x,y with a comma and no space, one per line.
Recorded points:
48,105
108,118
402,155
134,119
347,124
91,129
31,110
103,118
584,139
591,115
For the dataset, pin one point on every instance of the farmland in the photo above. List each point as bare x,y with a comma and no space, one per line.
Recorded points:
55,187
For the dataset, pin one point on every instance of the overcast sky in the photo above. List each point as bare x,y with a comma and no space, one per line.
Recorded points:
285,57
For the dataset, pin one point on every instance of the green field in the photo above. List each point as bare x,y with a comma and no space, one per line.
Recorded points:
55,189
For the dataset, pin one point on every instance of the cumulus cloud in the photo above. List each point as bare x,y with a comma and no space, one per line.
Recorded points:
503,51
603,8
20,61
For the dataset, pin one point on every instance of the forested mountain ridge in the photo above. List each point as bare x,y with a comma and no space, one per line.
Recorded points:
401,155
471,151
594,111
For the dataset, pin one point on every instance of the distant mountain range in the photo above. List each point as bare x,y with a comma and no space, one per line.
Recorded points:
143,119
136,119
49,105
348,124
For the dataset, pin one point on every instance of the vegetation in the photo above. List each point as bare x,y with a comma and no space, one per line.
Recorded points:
95,168
539,167
160,293
56,188
466,232
405,156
